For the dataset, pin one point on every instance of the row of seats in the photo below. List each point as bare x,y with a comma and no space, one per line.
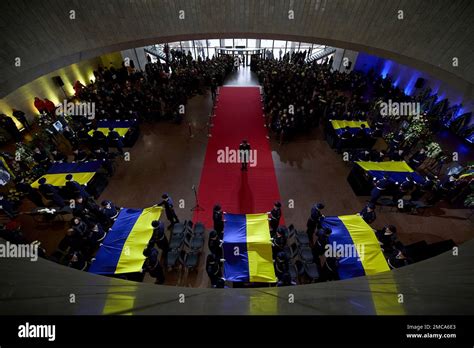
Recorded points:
186,244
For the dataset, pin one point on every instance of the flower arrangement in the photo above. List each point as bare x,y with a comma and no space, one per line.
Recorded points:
433,150
417,128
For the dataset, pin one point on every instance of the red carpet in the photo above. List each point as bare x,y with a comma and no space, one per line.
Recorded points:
238,116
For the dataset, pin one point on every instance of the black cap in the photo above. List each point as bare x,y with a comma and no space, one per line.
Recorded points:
155,223
320,206
164,196
212,234
69,177
277,204
42,181
217,207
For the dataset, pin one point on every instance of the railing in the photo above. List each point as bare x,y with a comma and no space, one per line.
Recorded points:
320,54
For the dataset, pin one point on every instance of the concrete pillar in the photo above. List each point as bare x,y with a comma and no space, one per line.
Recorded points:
339,62
138,56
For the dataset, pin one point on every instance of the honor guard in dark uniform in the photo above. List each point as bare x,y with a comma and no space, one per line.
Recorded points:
218,219
282,269
275,216
244,154
279,241
58,156
109,209
345,138
213,269
99,140
215,244
380,186
322,239
418,158
78,261
79,155
159,236
329,269
152,265
32,194
50,193
387,237
41,158
398,259
314,220
404,188
167,202
115,139
368,213
74,188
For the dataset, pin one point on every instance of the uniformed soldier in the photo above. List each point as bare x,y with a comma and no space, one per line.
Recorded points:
282,269
418,158
218,219
368,213
167,202
109,209
99,140
380,186
215,244
58,156
213,269
398,259
322,239
279,241
329,269
345,138
79,155
314,220
244,154
32,194
159,236
275,216
387,237
74,188
152,265
115,139
78,261
404,188
50,192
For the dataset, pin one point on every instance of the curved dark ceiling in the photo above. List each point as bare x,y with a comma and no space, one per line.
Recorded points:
430,34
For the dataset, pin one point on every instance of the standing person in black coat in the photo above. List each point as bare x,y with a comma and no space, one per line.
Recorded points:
152,265
275,216
215,244
244,154
159,236
314,220
218,219
167,202
213,269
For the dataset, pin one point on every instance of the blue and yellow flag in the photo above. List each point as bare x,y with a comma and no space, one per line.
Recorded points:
395,170
340,125
122,248
82,172
120,126
248,249
365,257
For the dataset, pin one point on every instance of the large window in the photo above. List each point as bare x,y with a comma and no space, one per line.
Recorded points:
277,48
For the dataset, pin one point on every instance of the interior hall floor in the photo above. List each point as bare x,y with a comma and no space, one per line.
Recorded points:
169,158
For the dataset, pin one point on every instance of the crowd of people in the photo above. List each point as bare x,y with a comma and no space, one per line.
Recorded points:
123,93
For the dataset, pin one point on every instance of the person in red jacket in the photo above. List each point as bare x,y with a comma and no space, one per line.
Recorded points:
39,105
49,105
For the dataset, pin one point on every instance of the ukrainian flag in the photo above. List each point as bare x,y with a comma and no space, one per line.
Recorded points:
354,126
248,249
353,230
120,126
82,172
122,249
395,170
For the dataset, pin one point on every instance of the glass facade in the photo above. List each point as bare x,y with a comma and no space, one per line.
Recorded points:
277,48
